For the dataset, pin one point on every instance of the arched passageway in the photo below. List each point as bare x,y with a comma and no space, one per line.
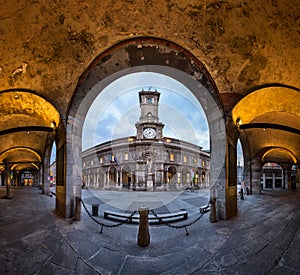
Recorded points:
28,129
268,120
152,55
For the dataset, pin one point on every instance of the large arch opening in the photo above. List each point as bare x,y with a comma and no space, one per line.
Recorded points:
28,128
114,118
268,120
158,56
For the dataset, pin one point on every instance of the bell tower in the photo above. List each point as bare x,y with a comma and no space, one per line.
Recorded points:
149,126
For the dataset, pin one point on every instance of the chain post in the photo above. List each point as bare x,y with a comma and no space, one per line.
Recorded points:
143,235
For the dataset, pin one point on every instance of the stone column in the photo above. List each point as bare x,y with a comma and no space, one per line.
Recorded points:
247,176
107,178
298,178
68,166
16,177
8,183
2,179
97,179
255,176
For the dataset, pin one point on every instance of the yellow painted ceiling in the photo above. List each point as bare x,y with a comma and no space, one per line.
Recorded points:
24,109
276,105
47,45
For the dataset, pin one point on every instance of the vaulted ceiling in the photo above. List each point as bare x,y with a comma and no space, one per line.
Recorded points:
250,48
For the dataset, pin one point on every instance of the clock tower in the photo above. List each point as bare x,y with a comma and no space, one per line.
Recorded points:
149,126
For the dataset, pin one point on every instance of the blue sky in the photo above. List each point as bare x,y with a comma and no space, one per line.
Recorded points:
115,111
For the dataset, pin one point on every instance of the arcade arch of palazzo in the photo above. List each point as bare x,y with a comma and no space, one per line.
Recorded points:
161,56
241,117
123,177
125,58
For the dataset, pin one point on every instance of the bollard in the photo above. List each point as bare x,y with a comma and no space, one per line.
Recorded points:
95,208
213,212
242,194
143,235
77,216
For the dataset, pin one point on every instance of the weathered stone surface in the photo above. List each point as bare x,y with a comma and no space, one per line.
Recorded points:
239,43
226,247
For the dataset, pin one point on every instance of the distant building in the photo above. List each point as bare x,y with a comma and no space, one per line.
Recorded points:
52,175
240,173
147,161
273,177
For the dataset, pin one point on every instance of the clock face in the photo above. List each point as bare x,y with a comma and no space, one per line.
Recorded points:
149,133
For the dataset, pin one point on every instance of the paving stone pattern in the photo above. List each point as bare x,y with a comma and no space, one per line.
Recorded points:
263,238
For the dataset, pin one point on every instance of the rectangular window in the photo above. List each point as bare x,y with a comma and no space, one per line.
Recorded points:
277,174
203,163
172,157
101,160
184,159
126,156
195,160
269,174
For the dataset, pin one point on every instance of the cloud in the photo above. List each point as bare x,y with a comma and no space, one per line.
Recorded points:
115,111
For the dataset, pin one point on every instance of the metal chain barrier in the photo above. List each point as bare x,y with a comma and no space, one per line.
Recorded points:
103,224
154,214
178,226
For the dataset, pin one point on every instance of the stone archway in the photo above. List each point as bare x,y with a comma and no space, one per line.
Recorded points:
112,175
268,114
28,128
126,177
172,171
151,55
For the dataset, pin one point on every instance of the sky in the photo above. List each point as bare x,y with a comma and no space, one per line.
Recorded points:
115,111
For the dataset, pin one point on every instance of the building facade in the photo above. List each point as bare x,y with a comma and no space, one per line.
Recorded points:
147,161
274,177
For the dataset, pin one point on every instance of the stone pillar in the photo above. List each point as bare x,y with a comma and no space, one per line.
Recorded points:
36,178
2,179
143,234
8,183
68,166
73,164
45,175
255,176
213,212
77,215
16,178
107,179
298,178
97,179
247,176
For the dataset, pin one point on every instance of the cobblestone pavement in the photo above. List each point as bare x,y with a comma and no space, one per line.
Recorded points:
263,238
